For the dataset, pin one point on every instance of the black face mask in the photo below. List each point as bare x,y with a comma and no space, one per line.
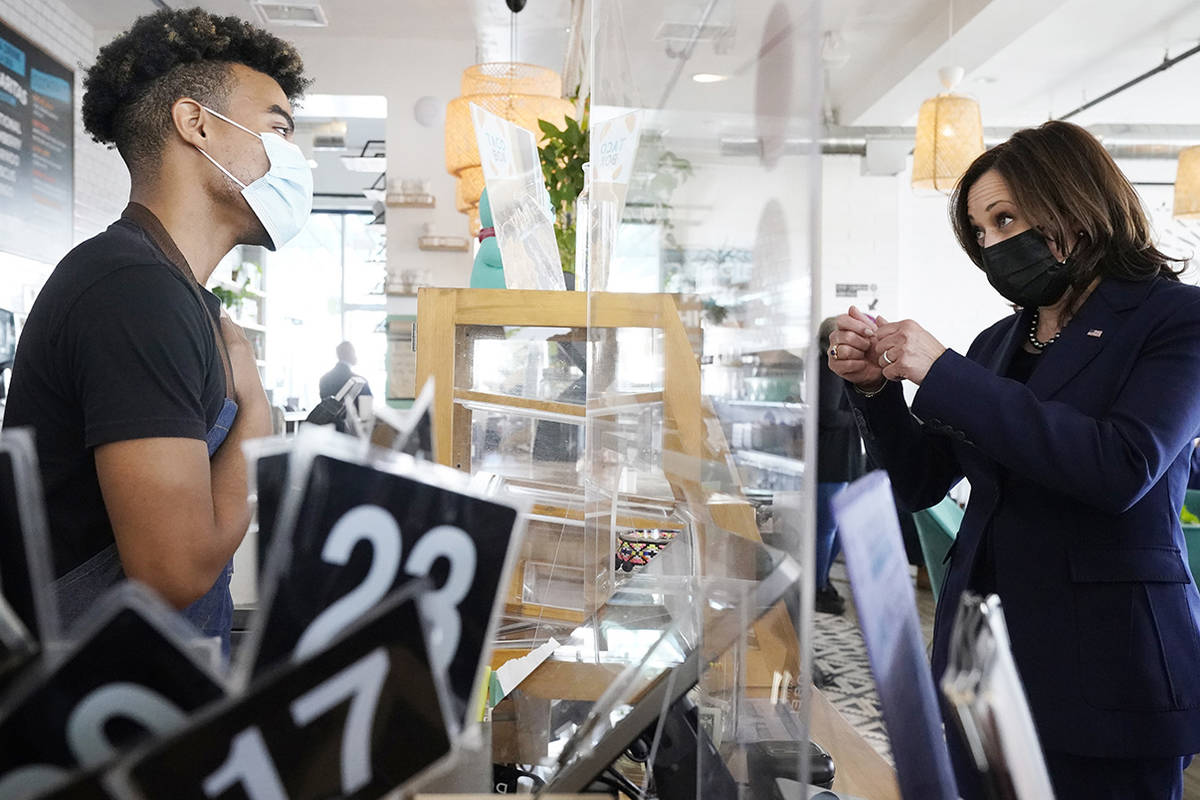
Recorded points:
1023,269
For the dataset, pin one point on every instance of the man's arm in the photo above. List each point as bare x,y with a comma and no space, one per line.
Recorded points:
176,516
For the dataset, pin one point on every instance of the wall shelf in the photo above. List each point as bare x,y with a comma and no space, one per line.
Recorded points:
402,200
444,244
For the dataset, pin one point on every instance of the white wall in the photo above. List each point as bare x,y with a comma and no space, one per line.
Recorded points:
859,237
101,180
404,71
939,286
875,230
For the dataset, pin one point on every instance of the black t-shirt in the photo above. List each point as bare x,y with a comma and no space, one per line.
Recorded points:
117,346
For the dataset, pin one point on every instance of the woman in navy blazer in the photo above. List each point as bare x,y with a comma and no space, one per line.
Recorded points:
1073,420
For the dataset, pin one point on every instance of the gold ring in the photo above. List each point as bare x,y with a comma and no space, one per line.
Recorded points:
888,360
833,352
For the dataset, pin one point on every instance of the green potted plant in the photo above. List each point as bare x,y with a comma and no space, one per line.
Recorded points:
232,295
563,153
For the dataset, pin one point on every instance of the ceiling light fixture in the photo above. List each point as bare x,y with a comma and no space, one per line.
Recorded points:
949,136
521,93
709,77
949,130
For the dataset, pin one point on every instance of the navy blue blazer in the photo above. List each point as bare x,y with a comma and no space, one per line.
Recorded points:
1077,479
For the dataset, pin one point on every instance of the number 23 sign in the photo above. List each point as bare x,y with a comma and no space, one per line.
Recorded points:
351,533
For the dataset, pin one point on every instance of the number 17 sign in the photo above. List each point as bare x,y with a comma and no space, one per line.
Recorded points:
355,721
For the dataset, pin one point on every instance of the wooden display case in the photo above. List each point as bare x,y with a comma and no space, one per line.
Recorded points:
692,446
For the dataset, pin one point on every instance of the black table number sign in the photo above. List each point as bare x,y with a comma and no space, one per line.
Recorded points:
129,676
26,571
359,533
355,721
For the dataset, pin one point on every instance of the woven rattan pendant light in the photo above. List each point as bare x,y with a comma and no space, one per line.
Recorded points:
521,93
949,137
1187,185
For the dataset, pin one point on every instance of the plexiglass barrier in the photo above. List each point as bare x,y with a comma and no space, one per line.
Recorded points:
656,419
713,215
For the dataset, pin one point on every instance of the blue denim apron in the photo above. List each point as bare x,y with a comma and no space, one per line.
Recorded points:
212,614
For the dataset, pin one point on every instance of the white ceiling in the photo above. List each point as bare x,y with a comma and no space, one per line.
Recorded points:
401,19
1025,59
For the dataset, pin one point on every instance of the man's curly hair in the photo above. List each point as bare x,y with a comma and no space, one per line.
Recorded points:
137,77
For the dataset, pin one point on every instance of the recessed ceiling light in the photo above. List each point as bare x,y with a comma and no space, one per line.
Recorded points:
709,77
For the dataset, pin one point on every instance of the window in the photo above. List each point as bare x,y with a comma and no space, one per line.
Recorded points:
324,287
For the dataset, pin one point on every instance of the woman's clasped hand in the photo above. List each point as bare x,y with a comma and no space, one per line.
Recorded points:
867,350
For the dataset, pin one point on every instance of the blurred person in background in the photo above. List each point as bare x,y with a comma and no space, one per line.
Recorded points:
343,371
839,461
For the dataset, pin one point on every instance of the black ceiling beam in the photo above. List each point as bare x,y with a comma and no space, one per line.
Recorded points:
1166,64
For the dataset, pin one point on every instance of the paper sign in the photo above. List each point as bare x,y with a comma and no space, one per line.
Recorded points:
887,612
512,672
352,532
521,211
613,151
129,676
357,720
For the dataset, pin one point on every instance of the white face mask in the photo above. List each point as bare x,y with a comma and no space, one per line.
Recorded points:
282,198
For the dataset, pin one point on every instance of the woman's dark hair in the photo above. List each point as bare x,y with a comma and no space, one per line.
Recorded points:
138,76
1066,184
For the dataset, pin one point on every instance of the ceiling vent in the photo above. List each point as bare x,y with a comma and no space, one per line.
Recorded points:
294,14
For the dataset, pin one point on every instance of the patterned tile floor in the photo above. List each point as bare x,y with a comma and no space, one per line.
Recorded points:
838,650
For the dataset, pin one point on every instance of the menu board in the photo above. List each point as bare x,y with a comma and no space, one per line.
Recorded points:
37,113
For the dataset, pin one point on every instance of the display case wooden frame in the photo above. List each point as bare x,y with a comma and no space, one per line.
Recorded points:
690,433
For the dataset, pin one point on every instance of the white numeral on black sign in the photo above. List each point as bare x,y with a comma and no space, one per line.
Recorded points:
86,734
361,683
249,762
30,780
368,523
440,607
87,737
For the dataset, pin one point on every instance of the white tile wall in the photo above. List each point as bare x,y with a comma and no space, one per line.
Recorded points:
859,236
875,230
101,180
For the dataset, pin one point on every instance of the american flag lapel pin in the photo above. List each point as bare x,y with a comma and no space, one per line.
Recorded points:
1095,333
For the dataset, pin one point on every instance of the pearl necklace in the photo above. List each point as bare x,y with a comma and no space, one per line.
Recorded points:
1033,340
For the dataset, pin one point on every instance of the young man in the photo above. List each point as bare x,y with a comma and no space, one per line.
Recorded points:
139,390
